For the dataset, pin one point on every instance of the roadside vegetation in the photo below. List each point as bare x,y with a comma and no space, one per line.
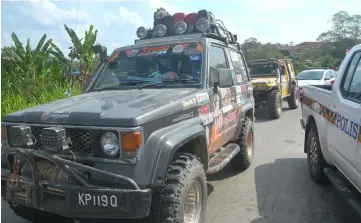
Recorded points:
35,76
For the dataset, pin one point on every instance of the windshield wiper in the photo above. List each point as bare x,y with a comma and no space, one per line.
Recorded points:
128,83
166,81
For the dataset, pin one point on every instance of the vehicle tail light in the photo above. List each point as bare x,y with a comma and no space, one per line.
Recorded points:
131,143
332,81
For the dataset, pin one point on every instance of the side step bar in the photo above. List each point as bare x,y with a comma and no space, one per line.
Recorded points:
343,189
222,157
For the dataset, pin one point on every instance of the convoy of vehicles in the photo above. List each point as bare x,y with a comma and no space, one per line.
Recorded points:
273,81
331,118
315,77
157,116
154,118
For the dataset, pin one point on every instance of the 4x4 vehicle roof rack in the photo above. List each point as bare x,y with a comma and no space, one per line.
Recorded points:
182,25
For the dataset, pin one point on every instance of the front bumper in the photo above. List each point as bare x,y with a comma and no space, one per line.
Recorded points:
78,200
302,123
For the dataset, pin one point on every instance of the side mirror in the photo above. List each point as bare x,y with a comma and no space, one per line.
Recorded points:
223,78
101,50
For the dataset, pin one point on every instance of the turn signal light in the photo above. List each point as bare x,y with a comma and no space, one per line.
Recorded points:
132,141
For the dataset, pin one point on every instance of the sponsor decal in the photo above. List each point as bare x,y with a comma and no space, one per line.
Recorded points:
203,110
238,89
239,78
178,48
132,53
227,108
218,122
207,119
244,88
202,98
195,57
183,116
226,96
343,123
189,103
151,51
57,116
215,102
207,135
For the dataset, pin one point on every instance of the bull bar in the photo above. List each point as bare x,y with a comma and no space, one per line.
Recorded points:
130,203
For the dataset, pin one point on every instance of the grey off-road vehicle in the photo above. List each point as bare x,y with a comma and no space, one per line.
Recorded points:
154,118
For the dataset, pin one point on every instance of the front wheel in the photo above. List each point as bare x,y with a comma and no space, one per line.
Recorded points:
274,104
293,99
246,143
183,198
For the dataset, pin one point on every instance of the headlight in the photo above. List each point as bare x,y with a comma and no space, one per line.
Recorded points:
110,144
160,30
180,27
141,32
203,25
20,136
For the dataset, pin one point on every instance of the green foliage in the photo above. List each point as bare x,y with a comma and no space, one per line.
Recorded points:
83,51
35,76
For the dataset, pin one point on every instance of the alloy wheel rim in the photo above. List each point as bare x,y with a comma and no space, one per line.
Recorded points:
193,205
313,153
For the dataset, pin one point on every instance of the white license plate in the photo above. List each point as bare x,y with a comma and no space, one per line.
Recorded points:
97,200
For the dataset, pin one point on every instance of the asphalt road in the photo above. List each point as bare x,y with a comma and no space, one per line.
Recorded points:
276,188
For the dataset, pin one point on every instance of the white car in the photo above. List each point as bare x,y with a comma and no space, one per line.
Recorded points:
315,77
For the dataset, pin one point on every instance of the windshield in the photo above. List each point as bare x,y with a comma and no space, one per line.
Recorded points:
263,69
154,66
310,75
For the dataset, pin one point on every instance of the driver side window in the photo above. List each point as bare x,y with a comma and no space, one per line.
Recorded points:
217,60
351,85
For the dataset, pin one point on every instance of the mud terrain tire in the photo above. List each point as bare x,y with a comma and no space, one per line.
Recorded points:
246,143
274,104
293,99
168,204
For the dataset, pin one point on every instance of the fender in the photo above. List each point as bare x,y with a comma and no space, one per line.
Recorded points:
170,140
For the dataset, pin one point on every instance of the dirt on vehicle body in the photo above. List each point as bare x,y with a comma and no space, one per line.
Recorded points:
153,120
273,81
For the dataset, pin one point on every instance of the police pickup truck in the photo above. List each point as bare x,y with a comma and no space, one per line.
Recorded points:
331,118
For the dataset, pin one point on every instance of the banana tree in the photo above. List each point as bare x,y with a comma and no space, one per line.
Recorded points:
32,62
83,51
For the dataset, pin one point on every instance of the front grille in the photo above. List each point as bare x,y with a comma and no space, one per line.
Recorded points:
82,140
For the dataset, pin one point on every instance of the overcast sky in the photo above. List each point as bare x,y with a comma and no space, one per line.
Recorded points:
280,21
